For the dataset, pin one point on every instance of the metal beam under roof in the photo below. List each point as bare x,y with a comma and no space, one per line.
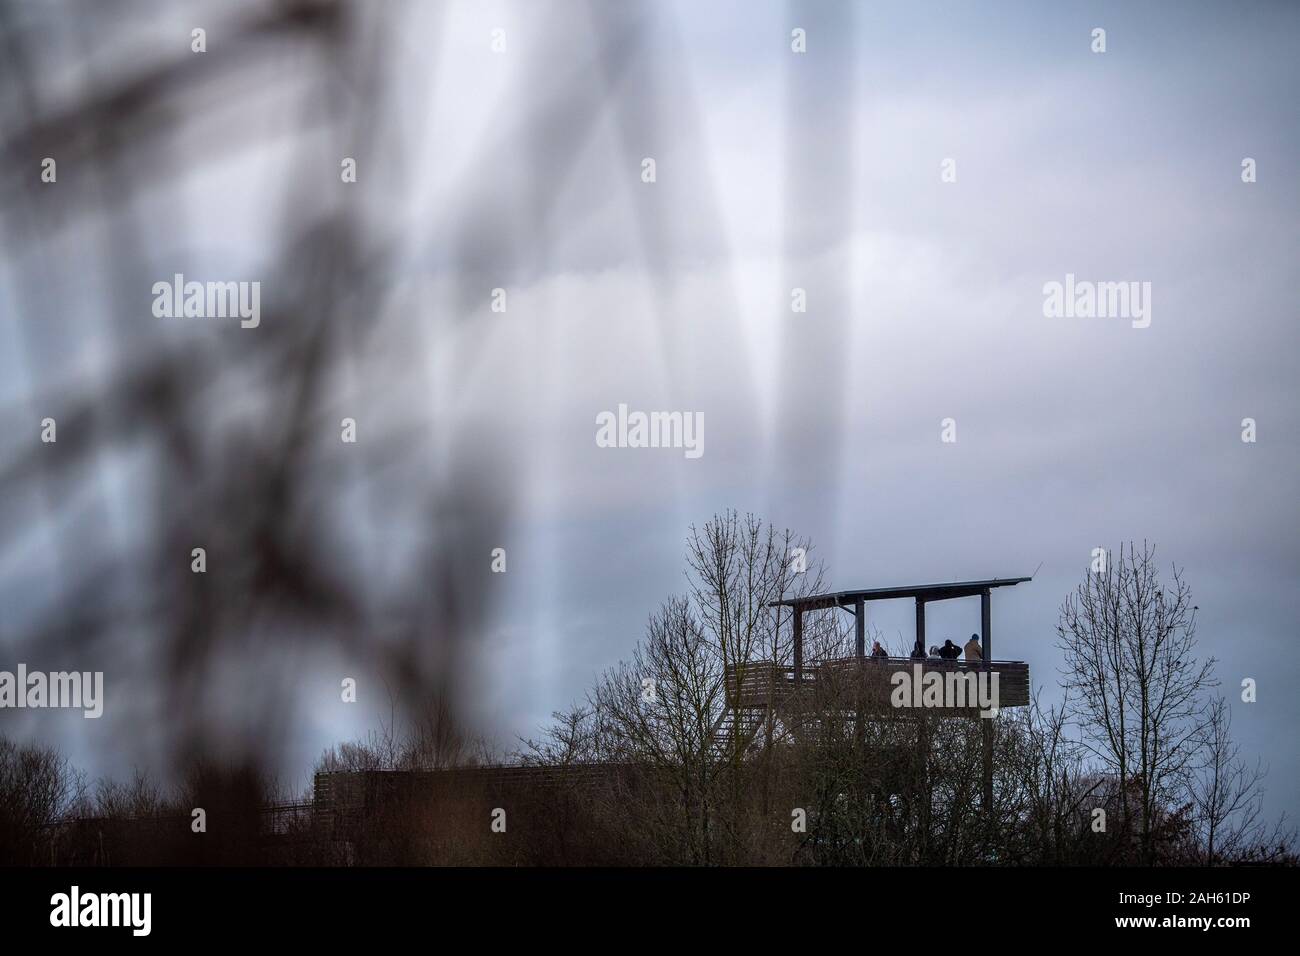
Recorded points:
924,592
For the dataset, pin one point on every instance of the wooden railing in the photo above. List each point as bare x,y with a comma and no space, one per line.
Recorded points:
860,683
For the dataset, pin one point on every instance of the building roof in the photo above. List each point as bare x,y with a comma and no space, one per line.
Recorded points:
924,592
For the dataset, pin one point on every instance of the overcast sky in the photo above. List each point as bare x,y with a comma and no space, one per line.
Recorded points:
522,170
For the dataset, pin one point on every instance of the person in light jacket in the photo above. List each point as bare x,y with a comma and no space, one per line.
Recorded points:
973,652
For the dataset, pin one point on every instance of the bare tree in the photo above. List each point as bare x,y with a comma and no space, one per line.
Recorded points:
738,568
38,785
661,710
572,738
1052,789
1129,642
1227,798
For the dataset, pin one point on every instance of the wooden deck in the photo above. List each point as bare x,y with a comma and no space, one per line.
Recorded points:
864,684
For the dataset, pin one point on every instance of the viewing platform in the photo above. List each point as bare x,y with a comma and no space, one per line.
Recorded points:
884,684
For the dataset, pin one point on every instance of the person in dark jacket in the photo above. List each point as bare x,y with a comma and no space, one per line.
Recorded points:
877,650
949,651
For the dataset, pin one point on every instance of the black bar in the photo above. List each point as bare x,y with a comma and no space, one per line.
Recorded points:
986,625
798,646
861,626
304,905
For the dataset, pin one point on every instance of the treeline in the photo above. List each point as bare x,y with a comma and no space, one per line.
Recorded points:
1137,765
52,815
